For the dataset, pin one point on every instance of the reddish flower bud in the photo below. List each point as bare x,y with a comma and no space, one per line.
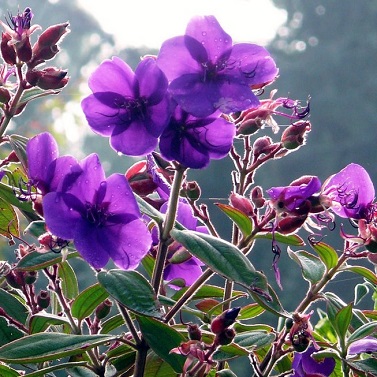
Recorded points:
30,277
7,51
257,197
290,224
43,299
15,279
241,203
103,309
46,47
24,50
48,78
140,180
194,332
224,320
4,95
225,337
263,145
192,190
294,136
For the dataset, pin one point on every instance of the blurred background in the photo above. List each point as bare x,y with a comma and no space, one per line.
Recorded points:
324,49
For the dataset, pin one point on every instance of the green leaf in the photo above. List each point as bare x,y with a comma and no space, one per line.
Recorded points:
9,224
7,371
363,331
367,366
132,290
361,290
311,266
254,340
111,323
46,371
37,261
225,373
327,254
86,302
156,367
13,306
162,338
343,320
8,333
219,255
149,210
292,239
49,346
229,351
362,271
69,282
18,144
250,311
36,228
33,93
40,322
205,291
242,221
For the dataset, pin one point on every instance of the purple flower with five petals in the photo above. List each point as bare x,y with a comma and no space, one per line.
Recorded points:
194,141
100,215
304,365
132,108
45,168
350,191
208,73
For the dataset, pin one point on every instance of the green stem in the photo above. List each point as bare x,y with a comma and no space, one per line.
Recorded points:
167,227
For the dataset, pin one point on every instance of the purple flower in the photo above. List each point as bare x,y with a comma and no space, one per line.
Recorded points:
304,365
366,345
209,73
100,215
290,198
351,192
130,108
45,167
194,141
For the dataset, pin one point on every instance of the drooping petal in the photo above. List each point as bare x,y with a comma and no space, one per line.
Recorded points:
41,151
351,190
365,345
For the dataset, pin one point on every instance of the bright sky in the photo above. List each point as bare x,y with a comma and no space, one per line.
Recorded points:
150,22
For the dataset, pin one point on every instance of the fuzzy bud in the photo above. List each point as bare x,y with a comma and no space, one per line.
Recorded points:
24,50
192,190
15,279
30,277
225,337
194,332
257,197
140,180
103,309
7,51
48,78
263,145
224,320
4,95
241,203
294,136
43,299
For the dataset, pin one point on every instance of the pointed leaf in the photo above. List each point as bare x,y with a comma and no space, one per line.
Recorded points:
254,340
8,333
327,254
162,338
47,371
33,93
250,311
343,320
291,239
368,366
13,307
111,324
242,221
131,289
363,331
37,261
40,322
361,290
229,351
49,346
362,271
18,144
9,225
311,266
156,367
86,302
7,371
149,210
36,228
69,282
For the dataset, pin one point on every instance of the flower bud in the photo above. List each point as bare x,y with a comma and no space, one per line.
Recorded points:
192,190
257,197
48,78
43,299
7,51
224,320
294,136
24,50
103,309
46,47
263,145
241,203
15,279
225,337
290,224
30,277
4,95
140,180
194,332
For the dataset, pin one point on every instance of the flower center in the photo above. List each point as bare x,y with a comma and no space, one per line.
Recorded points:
132,108
97,214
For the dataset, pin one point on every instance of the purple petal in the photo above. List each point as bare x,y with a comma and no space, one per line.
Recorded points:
60,219
41,151
189,271
207,30
366,345
62,167
113,76
351,190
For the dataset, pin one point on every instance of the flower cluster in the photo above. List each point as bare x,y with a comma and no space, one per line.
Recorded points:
178,99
